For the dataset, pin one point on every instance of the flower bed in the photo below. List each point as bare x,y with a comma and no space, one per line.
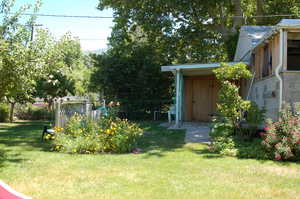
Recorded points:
282,138
108,135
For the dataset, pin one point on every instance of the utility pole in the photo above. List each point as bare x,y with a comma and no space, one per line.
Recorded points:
32,30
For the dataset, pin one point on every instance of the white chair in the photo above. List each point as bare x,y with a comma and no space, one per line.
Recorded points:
171,112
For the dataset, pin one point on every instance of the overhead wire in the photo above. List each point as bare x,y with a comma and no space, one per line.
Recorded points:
111,17
65,16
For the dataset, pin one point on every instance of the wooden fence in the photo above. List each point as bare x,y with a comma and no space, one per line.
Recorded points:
63,112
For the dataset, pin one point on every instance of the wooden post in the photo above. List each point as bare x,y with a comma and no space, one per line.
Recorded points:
181,97
87,109
178,94
57,113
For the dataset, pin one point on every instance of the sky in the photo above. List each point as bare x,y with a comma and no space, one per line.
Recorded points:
92,33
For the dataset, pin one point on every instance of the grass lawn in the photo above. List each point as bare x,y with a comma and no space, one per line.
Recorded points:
167,168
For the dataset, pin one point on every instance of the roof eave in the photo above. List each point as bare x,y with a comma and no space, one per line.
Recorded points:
267,36
195,66
289,26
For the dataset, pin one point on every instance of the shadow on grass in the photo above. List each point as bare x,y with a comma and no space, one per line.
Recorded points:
158,140
26,135
250,149
205,153
8,156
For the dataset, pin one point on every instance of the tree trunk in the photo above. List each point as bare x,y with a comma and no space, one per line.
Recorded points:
11,114
259,12
50,104
238,20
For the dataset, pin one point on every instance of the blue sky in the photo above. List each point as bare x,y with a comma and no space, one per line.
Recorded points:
92,32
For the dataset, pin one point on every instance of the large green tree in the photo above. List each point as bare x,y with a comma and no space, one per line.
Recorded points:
193,30
69,72
41,66
150,33
132,76
19,62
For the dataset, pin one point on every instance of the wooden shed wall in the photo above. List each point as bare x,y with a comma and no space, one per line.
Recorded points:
273,48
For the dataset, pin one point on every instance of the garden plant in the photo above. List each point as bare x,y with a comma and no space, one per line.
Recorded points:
234,129
109,134
281,139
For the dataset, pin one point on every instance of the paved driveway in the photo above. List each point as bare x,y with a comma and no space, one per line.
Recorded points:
195,131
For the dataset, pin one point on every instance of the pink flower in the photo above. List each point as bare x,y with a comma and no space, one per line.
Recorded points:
277,156
267,129
262,134
277,146
295,122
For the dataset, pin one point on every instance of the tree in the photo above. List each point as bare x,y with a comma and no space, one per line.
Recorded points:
69,71
231,105
18,64
42,67
132,77
193,30
15,74
55,85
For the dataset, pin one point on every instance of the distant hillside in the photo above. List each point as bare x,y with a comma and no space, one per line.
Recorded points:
98,51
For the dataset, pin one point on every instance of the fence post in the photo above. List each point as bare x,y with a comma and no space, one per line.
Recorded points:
87,109
57,113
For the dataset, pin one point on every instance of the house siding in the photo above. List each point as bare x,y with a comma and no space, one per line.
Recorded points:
259,57
265,94
291,87
265,90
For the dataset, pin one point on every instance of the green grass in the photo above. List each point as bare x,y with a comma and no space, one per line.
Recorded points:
167,168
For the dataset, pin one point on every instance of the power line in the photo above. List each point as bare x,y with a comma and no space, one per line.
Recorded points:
64,16
268,16
103,17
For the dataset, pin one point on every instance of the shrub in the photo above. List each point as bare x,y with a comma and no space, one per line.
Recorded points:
241,148
254,118
141,88
29,112
231,106
282,139
224,146
108,135
233,110
4,112
221,128
228,132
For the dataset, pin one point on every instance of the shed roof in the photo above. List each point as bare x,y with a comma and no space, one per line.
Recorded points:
250,36
193,66
289,23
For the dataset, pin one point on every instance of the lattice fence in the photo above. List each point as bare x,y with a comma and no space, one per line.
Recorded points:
63,112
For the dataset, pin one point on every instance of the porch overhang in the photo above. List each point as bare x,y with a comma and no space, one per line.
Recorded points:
188,70
195,69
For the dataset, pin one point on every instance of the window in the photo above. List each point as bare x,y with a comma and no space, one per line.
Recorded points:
267,61
252,63
293,51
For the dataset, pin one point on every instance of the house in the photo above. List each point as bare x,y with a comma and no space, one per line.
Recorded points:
273,56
